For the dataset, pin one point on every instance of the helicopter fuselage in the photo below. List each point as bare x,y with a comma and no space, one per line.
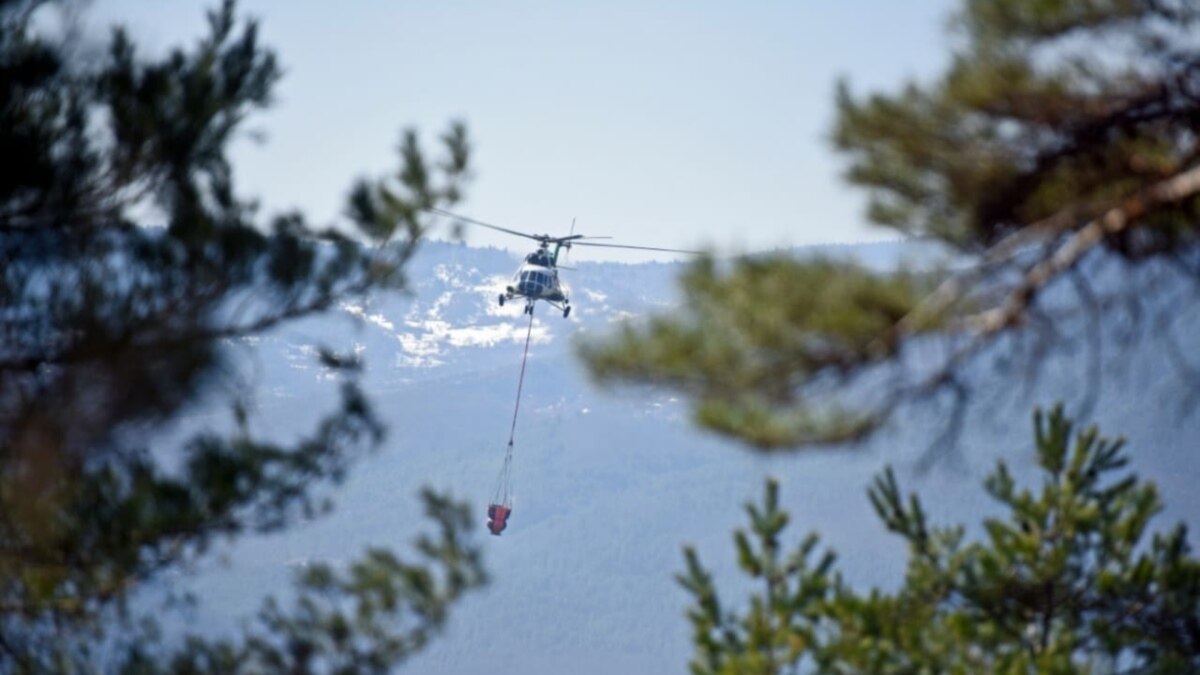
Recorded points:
537,279
536,283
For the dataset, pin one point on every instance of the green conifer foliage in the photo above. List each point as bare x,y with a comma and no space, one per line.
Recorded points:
1061,129
750,346
1068,580
1051,109
110,329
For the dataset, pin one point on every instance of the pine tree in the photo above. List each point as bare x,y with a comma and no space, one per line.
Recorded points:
1063,130
1065,582
110,328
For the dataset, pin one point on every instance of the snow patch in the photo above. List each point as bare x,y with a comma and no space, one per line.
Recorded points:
421,349
360,312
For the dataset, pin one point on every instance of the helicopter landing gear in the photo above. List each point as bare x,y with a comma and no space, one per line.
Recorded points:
566,311
501,299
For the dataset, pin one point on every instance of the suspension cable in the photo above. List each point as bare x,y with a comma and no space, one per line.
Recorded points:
512,432
503,494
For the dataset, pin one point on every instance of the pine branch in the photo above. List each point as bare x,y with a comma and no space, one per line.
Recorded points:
1115,220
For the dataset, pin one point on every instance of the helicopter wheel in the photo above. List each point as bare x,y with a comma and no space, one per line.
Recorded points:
501,299
567,311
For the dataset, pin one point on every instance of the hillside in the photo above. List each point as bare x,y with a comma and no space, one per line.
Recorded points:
609,484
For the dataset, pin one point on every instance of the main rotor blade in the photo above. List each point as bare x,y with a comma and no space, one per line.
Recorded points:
573,239
480,223
639,248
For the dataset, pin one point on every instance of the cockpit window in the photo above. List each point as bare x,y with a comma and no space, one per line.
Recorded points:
533,282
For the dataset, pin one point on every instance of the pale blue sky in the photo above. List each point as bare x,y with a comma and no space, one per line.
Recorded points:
672,124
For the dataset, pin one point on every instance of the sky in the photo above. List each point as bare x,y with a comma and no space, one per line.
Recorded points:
676,124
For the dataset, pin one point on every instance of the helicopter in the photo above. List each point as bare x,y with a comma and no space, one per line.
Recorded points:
537,277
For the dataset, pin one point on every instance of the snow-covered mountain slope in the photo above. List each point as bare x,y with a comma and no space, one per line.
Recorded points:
610,484
450,322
